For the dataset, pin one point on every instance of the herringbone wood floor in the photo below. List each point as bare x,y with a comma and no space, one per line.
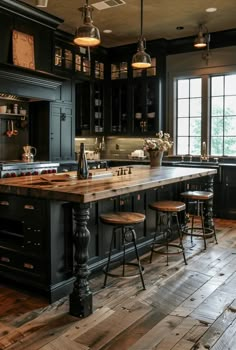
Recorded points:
183,308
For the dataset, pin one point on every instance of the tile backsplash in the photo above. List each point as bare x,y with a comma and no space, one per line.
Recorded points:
110,147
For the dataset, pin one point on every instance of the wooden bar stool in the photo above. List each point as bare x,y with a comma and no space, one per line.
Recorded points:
167,211
198,199
123,223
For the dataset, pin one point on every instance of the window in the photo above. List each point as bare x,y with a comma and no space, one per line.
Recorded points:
189,116
223,115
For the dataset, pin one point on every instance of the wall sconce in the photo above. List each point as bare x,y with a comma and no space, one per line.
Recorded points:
141,59
41,3
87,34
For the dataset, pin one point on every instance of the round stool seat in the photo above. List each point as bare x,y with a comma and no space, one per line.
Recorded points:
168,206
197,195
122,218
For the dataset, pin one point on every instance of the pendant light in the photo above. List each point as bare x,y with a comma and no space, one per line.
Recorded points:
87,34
141,59
201,39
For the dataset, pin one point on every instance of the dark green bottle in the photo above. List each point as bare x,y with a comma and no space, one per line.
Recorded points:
82,171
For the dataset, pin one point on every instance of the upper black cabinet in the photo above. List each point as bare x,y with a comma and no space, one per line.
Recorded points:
134,100
119,107
145,105
71,60
90,107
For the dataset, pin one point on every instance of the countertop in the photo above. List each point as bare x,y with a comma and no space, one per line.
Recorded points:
66,187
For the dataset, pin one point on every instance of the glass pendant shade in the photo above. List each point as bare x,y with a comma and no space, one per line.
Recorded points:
141,59
87,34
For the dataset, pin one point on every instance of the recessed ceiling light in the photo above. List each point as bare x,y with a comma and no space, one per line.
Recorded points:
107,31
211,9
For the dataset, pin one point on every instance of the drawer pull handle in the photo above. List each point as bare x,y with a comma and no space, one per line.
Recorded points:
28,266
29,207
6,203
5,259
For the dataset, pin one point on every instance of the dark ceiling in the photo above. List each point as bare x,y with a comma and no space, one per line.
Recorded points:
161,17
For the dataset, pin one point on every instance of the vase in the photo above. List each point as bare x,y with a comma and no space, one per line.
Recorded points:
155,158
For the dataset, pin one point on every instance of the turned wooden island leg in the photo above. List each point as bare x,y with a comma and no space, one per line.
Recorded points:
81,299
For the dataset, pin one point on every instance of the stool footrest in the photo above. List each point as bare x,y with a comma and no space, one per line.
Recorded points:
209,232
108,273
159,251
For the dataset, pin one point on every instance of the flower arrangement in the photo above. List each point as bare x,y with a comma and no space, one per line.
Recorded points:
161,143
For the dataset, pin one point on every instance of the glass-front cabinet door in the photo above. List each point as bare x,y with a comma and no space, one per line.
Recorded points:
145,100
98,107
119,108
119,98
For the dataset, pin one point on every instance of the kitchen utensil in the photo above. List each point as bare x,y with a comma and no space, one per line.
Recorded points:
29,153
14,131
9,131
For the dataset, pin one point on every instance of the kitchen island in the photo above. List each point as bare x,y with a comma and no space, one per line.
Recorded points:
81,193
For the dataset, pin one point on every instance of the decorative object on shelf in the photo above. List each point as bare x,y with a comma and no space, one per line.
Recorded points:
23,49
141,59
87,34
156,147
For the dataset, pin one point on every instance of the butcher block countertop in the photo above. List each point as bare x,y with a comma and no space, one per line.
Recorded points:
66,186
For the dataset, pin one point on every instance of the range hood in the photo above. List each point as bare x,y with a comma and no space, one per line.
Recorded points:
16,85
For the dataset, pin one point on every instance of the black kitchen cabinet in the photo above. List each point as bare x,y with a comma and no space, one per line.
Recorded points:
52,130
61,131
228,192
145,115
135,107
34,250
120,108
52,125
90,101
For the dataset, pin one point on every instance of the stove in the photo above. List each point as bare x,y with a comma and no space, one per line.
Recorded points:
19,168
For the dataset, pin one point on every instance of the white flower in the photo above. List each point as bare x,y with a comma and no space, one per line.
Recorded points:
161,143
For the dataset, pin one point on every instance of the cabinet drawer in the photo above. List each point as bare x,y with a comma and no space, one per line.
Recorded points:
31,208
17,262
8,206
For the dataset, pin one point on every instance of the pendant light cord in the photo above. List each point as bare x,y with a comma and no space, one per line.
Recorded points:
141,33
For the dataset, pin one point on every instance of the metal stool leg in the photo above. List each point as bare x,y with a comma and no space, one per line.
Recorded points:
158,224
109,258
203,225
124,245
180,238
137,256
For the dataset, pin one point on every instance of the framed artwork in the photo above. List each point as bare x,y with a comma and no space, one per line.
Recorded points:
23,49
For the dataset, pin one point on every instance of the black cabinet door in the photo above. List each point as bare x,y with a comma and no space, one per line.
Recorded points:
120,111
229,192
61,132
145,115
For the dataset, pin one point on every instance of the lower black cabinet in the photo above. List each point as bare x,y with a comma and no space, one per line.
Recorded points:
34,250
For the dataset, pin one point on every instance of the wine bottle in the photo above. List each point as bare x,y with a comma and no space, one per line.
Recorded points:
82,171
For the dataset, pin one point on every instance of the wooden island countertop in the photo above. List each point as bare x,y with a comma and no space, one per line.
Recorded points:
66,186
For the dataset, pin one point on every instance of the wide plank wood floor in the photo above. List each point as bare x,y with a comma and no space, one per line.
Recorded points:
183,307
